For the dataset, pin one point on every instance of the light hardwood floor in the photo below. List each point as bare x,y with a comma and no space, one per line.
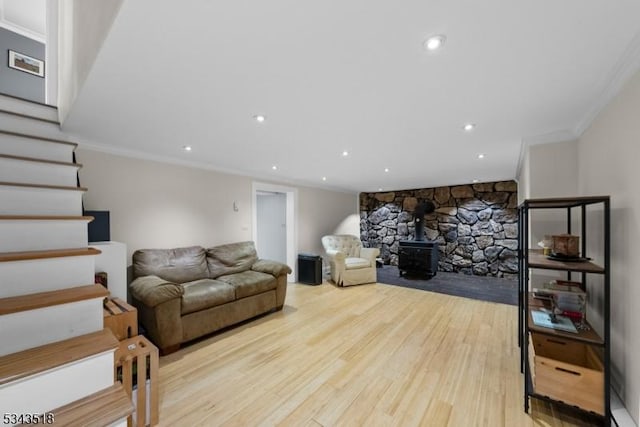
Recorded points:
364,355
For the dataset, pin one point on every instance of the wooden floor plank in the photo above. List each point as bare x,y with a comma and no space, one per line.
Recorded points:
375,355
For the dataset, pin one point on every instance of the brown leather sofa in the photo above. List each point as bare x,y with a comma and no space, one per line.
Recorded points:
185,293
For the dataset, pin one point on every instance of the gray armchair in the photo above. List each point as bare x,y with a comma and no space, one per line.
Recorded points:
351,264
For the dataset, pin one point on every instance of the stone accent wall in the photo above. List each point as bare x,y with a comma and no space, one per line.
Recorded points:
475,225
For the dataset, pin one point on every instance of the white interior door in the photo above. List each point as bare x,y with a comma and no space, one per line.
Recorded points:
270,245
271,209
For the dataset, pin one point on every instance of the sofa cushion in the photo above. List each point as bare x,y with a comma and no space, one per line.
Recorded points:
231,258
174,265
205,293
250,282
353,263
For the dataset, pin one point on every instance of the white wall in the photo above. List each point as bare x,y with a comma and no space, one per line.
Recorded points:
553,172
158,205
325,212
609,154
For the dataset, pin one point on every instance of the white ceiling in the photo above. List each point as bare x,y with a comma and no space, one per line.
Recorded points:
353,75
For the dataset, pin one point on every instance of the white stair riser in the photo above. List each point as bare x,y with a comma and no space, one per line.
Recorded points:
41,275
24,172
33,328
28,108
36,148
58,387
39,201
32,235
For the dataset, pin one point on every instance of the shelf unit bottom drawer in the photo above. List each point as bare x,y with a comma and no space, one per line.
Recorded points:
568,371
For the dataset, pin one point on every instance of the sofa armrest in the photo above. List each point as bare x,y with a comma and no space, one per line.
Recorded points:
152,290
370,254
274,268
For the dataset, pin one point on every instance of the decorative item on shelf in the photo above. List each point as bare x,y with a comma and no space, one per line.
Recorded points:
563,258
567,299
565,245
545,244
547,319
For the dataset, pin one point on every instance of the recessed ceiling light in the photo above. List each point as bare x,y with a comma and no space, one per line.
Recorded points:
475,181
345,153
324,178
187,148
386,169
481,156
469,127
435,42
260,118
274,167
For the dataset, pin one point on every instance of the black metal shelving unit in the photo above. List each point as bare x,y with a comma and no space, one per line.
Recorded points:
533,259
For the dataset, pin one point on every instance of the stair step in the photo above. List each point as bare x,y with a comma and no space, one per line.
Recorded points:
22,144
99,409
29,170
36,319
43,378
29,362
46,299
55,253
45,274
25,108
31,233
31,199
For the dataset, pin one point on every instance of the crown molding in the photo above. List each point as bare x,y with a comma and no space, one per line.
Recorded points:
622,71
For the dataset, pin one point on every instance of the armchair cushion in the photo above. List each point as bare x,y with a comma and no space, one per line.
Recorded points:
352,263
345,243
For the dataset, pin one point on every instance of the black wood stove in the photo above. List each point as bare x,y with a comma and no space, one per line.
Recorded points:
419,257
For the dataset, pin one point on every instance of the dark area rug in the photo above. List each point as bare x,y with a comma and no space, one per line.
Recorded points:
492,289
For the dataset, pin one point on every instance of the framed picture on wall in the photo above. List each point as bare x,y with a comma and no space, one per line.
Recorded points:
26,63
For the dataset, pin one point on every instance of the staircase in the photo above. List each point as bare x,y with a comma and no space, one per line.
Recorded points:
56,357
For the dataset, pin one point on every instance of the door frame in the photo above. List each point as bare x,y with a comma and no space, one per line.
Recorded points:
291,219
